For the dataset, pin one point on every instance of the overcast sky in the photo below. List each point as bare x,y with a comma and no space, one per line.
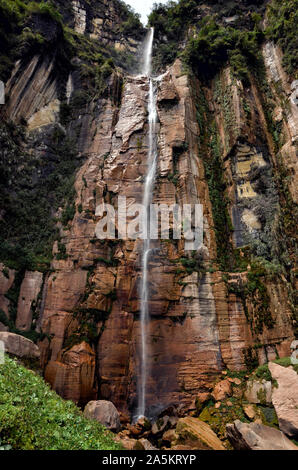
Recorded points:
143,7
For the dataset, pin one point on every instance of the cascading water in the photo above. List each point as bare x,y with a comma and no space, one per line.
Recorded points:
147,198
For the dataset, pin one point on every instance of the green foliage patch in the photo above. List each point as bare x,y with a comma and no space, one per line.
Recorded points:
283,20
32,189
33,417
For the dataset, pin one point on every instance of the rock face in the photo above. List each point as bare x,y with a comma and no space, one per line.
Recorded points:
285,398
256,436
104,412
6,281
198,323
72,373
204,318
197,434
29,291
19,346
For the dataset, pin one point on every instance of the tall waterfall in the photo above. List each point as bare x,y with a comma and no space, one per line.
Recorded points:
147,198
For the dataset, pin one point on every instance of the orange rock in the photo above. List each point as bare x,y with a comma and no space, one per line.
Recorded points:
222,390
72,374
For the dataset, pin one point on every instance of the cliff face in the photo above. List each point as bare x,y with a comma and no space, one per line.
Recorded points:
216,309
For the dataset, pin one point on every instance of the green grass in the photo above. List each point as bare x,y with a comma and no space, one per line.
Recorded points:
33,417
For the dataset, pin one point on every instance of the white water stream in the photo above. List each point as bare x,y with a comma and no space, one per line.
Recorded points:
147,199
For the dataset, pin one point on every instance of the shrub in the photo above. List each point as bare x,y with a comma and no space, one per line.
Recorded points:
283,19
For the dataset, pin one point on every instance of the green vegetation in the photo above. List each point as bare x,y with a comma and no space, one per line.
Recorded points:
17,39
263,372
255,291
283,19
32,187
210,149
214,45
32,417
210,42
218,418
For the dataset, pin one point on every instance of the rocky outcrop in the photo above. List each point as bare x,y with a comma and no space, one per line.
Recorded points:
285,398
197,435
36,103
104,412
103,20
284,89
19,346
256,436
204,318
198,323
7,277
72,373
29,292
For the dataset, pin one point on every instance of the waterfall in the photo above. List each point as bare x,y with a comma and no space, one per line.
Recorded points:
69,88
147,198
148,53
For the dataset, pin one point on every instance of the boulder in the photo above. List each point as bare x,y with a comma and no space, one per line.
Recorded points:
250,411
140,427
197,434
127,443
200,400
161,425
259,391
255,436
222,390
19,346
144,444
285,398
104,412
170,436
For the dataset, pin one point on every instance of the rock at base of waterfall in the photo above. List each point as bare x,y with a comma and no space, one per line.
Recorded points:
170,436
19,346
104,412
197,435
139,428
127,443
259,391
222,390
255,436
144,444
285,398
164,423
